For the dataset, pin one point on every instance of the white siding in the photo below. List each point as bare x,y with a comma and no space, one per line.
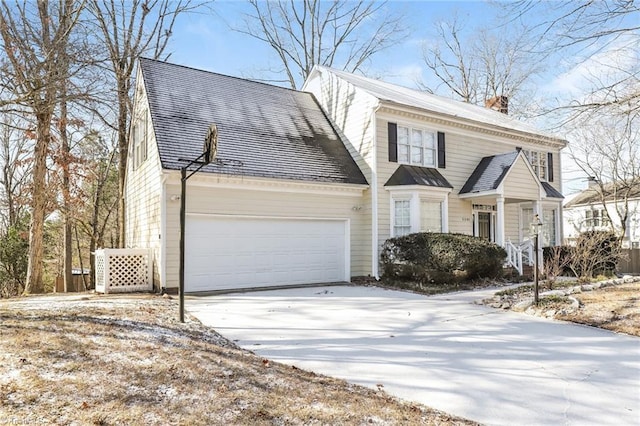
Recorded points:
253,202
351,110
520,183
143,191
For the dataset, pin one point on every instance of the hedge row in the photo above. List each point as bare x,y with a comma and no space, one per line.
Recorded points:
441,258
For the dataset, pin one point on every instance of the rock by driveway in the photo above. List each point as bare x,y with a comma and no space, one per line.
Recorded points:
488,365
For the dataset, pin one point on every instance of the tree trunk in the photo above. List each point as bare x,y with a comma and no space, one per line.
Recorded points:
34,282
123,113
66,194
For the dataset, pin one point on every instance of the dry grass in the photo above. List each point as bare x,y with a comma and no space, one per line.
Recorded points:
615,308
119,360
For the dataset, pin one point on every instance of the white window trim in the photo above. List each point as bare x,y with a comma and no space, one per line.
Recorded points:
424,130
536,167
414,194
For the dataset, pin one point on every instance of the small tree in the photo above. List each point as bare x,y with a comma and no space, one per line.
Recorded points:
557,260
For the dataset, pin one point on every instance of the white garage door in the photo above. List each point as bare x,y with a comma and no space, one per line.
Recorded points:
229,253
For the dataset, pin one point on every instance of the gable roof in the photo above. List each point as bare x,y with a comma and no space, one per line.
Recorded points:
592,195
489,173
415,175
417,99
274,132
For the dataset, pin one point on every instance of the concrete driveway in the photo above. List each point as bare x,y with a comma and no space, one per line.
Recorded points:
487,365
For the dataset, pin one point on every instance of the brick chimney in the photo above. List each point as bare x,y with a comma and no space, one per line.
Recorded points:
498,103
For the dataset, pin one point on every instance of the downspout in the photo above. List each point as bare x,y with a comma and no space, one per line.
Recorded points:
374,195
163,233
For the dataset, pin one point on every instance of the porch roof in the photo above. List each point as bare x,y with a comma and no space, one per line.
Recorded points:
489,173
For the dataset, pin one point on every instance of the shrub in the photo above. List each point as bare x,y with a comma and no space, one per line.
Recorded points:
432,257
595,253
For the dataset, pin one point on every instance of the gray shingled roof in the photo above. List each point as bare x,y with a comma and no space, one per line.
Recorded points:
489,173
274,132
551,191
415,175
430,102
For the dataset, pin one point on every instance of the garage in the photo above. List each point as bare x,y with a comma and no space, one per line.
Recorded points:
229,252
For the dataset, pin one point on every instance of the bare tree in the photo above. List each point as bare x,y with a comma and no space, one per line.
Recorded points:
15,147
477,65
607,150
338,33
34,39
600,35
129,29
452,64
96,217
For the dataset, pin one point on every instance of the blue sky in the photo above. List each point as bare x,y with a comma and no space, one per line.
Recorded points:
207,42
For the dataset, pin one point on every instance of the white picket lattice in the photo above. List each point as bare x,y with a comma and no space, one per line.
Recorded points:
124,270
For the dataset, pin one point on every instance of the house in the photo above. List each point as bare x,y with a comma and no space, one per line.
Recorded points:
307,185
602,209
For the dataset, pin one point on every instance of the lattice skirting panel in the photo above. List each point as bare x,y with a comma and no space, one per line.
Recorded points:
124,270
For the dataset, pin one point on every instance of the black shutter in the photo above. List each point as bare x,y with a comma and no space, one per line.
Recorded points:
442,158
550,166
393,142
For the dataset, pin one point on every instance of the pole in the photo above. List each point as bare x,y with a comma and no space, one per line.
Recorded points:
535,272
183,193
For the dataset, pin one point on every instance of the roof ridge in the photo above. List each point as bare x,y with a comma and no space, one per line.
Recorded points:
144,58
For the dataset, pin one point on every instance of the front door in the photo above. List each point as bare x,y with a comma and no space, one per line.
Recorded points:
484,225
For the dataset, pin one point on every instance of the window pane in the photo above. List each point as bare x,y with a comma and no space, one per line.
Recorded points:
403,135
416,138
416,155
403,144
403,153
543,167
430,140
527,220
429,157
549,228
431,216
402,218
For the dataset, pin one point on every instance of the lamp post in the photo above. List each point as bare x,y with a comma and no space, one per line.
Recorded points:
536,225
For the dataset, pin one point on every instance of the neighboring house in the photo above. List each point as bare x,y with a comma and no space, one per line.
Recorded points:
309,185
586,211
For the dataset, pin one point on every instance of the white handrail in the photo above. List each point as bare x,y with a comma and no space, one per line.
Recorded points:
514,256
526,248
